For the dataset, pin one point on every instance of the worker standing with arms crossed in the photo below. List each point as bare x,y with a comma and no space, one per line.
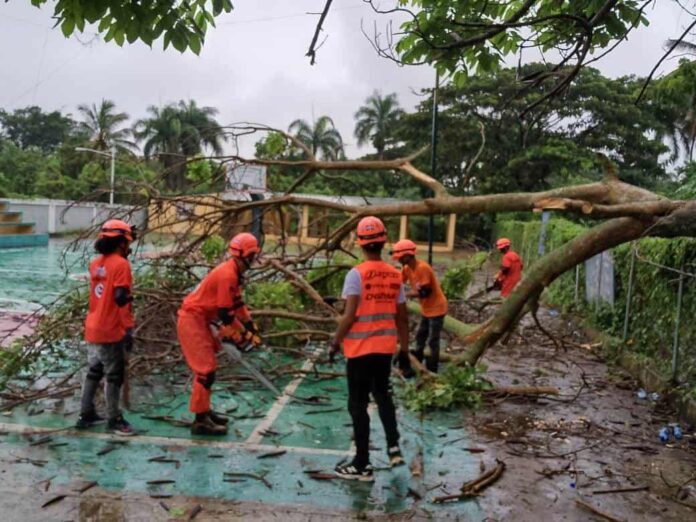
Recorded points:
510,271
218,298
426,288
375,319
109,325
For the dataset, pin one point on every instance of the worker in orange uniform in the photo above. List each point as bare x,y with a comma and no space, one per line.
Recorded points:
426,288
374,321
217,299
510,271
109,325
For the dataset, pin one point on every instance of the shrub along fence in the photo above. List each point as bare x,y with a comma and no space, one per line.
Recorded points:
653,289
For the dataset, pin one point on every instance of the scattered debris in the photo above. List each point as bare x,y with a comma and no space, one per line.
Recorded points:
160,481
271,454
597,512
53,500
620,490
86,486
416,465
42,440
249,475
194,512
106,449
472,488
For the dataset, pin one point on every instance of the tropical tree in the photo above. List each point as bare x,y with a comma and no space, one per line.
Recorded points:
105,126
674,97
321,136
177,132
377,120
31,127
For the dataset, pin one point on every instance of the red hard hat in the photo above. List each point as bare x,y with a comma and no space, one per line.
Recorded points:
243,245
402,248
502,243
371,230
116,228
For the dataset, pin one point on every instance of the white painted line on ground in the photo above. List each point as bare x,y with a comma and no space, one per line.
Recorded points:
166,441
277,407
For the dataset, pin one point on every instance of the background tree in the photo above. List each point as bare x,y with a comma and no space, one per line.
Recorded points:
376,121
176,132
104,126
31,127
321,137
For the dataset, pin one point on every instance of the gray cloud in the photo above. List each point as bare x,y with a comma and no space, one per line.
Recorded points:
252,67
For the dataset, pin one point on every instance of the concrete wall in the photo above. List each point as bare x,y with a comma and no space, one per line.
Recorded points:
56,216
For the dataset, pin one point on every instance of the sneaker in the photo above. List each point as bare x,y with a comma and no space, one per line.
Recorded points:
352,472
120,426
395,456
218,419
207,426
87,420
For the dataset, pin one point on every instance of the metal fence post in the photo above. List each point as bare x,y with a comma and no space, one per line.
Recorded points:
598,297
629,293
577,283
675,345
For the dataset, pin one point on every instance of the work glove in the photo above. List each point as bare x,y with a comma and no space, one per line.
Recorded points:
495,286
334,348
404,364
128,341
245,340
252,327
330,300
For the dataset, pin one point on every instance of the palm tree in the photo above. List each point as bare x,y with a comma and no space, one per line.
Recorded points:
177,132
376,121
103,125
322,137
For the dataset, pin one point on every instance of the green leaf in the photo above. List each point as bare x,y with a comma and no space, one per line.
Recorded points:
67,27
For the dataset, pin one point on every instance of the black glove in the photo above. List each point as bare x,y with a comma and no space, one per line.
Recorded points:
334,348
128,341
404,363
330,300
495,286
252,327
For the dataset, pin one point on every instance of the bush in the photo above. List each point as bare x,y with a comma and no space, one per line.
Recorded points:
458,277
213,248
454,386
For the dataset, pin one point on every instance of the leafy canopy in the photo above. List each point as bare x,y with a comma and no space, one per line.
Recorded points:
181,23
477,35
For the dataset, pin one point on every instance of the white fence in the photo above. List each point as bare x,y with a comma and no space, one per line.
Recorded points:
56,216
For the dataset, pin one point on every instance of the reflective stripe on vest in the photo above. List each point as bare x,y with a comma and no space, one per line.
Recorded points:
374,329
371,333
374,317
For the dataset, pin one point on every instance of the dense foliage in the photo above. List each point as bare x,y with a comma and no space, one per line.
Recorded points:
453,386
654,302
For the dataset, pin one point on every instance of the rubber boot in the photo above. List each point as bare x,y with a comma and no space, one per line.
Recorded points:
206,426
218,419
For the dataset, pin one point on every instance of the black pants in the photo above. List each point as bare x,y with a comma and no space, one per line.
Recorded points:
429,330
370,374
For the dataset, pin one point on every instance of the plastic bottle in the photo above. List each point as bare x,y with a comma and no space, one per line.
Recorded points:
677,432
654,396
664,434
642,394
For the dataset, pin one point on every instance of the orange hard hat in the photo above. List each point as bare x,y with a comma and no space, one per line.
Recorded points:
244,245
371,230
502,243
116,228
404,247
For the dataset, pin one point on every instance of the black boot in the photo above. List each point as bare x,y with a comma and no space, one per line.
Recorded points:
204,425
218,419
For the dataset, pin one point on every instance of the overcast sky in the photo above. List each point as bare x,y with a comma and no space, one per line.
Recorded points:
252,67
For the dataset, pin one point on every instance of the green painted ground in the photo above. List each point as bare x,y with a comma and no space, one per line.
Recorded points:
315,437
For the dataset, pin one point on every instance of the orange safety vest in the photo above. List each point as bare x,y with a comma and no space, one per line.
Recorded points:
374,328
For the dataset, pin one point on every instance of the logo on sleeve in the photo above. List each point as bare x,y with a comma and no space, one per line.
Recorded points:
99,290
